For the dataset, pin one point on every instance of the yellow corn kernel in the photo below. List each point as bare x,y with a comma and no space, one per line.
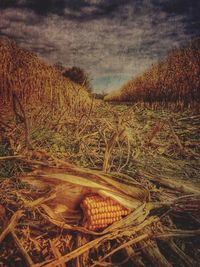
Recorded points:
101,211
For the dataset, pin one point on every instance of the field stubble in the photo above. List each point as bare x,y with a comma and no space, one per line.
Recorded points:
156,149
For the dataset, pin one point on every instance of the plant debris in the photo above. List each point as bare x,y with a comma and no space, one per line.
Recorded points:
51,159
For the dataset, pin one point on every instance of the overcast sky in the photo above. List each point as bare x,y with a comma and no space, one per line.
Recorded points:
113,40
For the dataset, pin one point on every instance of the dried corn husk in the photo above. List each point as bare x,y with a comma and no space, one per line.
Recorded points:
72,186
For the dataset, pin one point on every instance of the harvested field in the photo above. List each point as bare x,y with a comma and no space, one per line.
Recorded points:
137,149
58,164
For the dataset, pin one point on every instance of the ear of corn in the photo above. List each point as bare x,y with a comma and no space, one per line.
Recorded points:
101,211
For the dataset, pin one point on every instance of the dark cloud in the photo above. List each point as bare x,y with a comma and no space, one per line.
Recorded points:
189,9
79,9
112,40
41,7
178,6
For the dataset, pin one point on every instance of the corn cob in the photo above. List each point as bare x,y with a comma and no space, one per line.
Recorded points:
101,211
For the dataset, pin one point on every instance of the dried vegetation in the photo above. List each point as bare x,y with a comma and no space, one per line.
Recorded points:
173,83
141,152
24,74
148,161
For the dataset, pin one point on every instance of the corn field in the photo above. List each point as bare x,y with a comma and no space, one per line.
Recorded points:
35,83
175,80
84,183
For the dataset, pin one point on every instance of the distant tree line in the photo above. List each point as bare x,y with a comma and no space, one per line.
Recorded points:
75,74
99,95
